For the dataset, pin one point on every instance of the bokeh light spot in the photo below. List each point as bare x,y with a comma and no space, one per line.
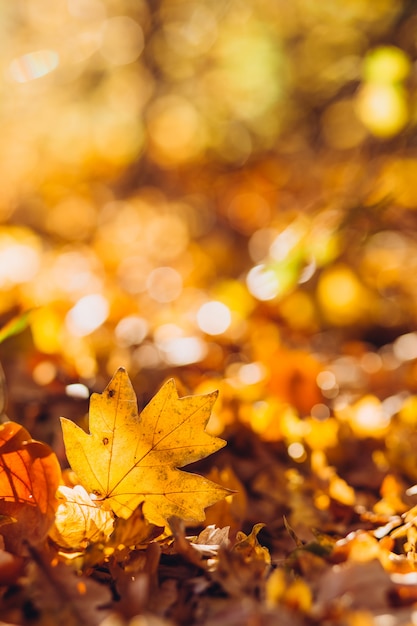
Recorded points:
252,373
260,242
386,64
44,372
131,330
382,108
326,380
147,356
342,297
320,411
297,451
33,65
405,347
183,350
87,315
164,284
262,282
77,390
369,415
20,256
214,317
287,240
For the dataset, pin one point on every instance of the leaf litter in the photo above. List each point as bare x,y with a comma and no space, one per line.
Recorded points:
301,542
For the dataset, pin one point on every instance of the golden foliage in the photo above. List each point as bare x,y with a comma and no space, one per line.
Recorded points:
127,459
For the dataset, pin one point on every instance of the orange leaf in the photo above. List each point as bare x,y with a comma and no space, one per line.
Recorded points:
29,477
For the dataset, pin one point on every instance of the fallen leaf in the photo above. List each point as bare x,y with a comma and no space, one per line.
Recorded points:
29,477
79,520
249,547
202,550
128,459
211,539
242,569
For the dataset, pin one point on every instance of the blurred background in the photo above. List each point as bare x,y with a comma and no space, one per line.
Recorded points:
222,191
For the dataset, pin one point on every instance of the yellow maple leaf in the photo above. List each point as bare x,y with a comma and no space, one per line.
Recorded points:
129,458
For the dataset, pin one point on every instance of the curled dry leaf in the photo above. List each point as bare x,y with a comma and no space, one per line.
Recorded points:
211,539
29,477
243,568
249,547
79,520
128,459
202,550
